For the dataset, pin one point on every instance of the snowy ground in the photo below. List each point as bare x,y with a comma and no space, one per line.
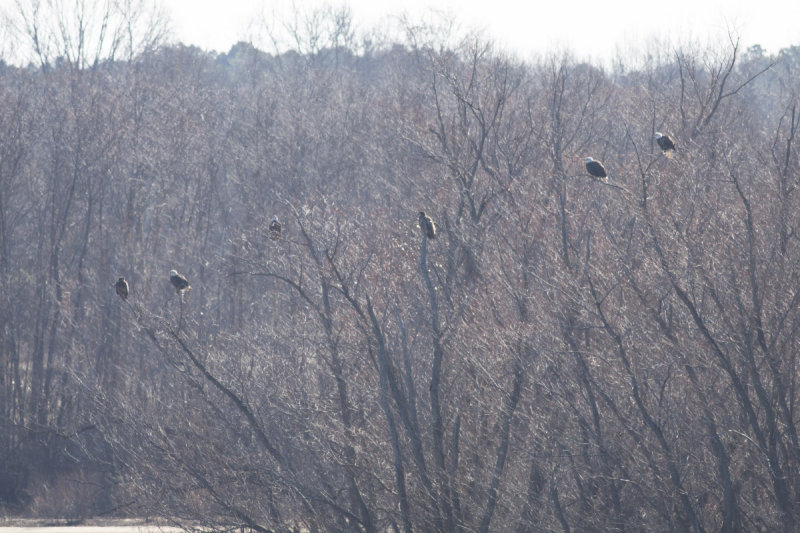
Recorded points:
117,528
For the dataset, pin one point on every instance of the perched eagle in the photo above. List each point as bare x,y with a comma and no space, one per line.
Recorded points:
275,229
179,282
596,169
427,225
121,286
665,142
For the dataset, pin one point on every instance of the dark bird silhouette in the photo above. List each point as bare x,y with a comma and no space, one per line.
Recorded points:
179,282
121,286
275,229
666,143
427,225
596,170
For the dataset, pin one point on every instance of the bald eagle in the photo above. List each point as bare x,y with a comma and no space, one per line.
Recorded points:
275,229
179,282
427,225
596,169
665,142
121,286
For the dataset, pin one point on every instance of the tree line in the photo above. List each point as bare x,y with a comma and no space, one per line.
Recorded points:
565,355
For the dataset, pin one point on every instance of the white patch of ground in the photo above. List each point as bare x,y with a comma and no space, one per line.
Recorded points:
32,527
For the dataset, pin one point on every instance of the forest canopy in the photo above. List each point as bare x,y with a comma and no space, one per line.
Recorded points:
562,354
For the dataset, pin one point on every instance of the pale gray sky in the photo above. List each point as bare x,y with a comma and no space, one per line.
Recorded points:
591,29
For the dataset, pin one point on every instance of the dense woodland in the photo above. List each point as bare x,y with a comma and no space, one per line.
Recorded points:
565,355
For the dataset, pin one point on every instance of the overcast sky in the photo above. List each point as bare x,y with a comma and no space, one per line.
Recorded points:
591,29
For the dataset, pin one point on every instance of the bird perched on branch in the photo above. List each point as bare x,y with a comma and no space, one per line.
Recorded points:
121,286
179,282
596,170
275,229
666,143
427,225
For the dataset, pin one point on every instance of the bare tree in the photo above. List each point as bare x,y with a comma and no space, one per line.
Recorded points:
565,354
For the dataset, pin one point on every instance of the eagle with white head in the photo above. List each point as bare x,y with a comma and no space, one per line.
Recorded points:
666,143
596,170
180,283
